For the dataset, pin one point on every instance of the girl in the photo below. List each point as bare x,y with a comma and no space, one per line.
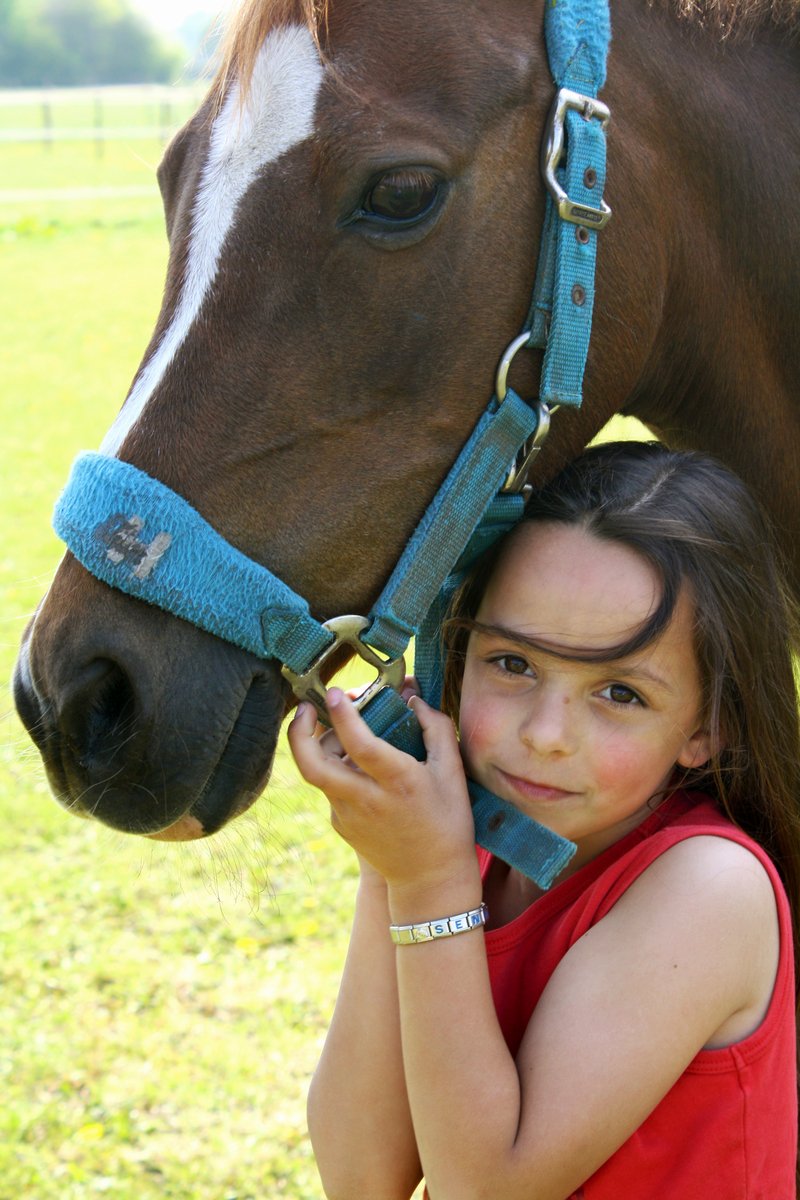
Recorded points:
620,670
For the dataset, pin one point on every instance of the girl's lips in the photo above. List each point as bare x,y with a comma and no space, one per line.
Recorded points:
533,790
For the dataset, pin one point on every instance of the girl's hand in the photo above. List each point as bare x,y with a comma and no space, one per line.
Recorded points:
409,821
369,877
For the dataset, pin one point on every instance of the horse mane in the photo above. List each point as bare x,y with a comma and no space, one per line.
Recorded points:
252,20
736,20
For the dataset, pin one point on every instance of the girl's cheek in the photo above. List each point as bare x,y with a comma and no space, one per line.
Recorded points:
618,763
477,729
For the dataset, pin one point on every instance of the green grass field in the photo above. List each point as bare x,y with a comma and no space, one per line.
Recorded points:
162,1006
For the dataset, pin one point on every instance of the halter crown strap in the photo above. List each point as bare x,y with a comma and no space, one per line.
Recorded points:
577,35
460,505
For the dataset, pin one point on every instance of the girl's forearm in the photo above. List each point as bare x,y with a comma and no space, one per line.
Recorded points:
462,1082
358,1114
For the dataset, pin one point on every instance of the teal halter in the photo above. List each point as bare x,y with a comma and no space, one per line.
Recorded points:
137,535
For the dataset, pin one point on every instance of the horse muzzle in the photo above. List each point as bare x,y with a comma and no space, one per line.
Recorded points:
156,731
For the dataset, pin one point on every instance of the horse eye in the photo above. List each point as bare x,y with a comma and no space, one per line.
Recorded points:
402,196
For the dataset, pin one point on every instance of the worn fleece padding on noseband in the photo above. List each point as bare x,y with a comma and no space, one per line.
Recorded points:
140,537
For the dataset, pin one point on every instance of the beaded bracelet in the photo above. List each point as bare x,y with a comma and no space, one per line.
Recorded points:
427,931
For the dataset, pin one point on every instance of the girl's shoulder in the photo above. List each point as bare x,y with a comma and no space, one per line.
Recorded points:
729,880
715,899
690,844
700,863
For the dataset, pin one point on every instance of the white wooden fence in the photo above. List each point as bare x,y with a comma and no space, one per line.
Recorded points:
47,115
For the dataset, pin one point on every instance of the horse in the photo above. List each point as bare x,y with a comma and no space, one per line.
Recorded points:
353,216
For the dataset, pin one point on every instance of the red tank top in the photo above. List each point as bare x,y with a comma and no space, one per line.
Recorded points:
728,1128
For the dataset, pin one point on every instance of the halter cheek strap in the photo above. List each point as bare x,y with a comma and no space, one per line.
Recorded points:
137,535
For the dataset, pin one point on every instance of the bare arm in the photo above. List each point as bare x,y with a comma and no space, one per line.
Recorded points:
358,1114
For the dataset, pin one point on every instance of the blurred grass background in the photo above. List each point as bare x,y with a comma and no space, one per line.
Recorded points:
161,1006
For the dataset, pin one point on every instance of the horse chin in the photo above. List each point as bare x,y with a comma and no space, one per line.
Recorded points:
202,819
187,829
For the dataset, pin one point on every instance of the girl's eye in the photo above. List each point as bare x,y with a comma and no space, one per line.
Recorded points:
513,664
618,693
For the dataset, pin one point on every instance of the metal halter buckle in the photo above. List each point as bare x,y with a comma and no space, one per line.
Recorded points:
553,151
347,631
517,478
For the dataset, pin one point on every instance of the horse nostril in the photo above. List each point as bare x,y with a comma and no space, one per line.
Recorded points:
100,715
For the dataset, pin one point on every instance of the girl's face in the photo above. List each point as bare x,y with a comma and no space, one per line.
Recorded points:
581,747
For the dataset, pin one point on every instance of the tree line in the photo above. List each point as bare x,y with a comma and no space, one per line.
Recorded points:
65,43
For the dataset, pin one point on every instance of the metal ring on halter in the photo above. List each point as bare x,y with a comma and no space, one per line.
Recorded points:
347,631
517,478
501,377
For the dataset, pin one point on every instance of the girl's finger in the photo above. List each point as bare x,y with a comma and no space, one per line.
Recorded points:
304,717
438,733
376,758
410,688
305,723
330,742
324,770
303,736
302,727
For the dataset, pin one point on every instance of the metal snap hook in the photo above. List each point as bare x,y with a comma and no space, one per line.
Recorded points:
517,478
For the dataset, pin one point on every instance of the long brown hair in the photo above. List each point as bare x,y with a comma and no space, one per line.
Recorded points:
698,526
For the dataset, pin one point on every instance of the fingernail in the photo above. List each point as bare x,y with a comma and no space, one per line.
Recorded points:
301,708
334,696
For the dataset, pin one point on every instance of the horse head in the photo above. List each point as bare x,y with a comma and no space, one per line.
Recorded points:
353,218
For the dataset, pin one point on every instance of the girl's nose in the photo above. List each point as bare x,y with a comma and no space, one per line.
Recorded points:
549,725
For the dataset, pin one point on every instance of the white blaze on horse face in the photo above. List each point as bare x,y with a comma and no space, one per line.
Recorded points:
278,114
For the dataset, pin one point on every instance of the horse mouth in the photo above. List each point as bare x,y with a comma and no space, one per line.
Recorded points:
235,782
229,790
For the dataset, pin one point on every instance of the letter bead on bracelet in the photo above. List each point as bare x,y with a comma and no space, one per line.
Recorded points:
428,931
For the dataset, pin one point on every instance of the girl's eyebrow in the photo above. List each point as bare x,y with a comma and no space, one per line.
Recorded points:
631,670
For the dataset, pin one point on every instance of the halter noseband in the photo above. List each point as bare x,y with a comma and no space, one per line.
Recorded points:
136,534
